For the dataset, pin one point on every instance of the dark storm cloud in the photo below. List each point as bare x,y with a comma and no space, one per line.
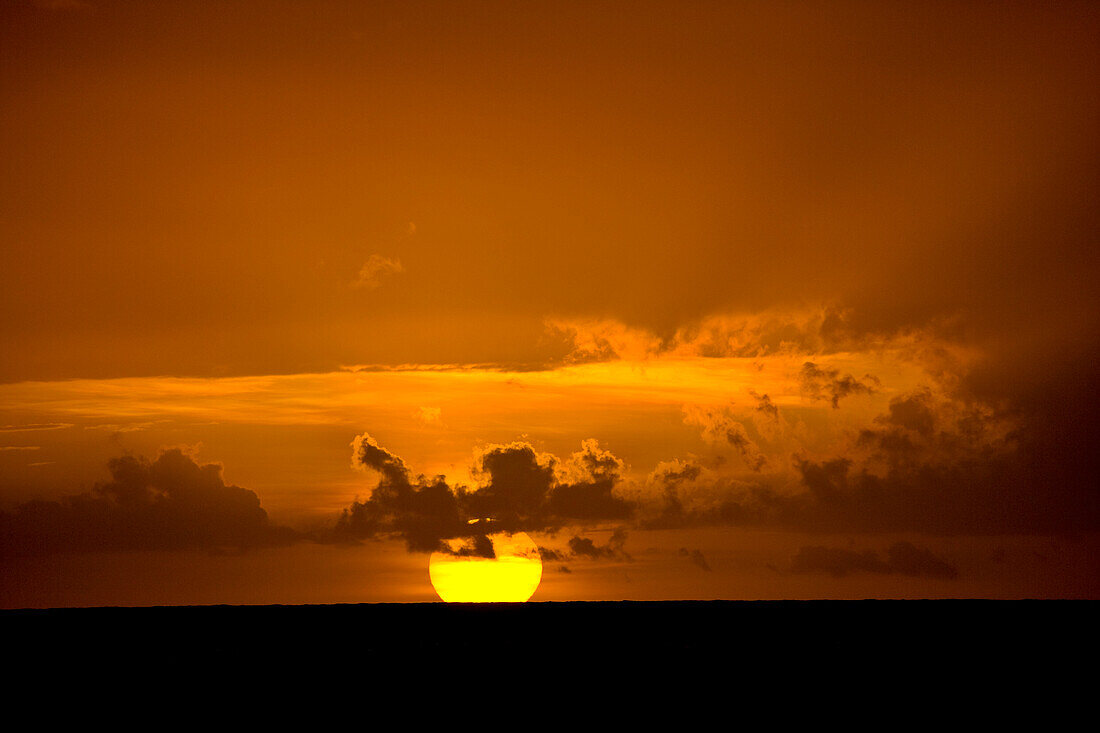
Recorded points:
171,503
521,490
827,384
902,557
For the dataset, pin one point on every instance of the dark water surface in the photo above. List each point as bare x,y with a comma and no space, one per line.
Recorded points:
768,631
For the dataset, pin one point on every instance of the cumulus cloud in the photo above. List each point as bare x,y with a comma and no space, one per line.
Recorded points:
376,269
902,557
168,504
520,490
587,491
423,511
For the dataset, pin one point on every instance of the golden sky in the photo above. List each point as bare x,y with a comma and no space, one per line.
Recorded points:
712,300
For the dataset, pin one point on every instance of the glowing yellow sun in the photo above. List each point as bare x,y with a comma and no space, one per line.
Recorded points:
511,577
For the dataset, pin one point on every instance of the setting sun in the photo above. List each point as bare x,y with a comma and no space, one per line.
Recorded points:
511,577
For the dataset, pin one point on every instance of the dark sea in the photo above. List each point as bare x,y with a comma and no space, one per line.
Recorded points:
767,633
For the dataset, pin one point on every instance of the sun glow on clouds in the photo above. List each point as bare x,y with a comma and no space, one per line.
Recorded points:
731,390
302,399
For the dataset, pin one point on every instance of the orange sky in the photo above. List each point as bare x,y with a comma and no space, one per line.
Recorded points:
819,277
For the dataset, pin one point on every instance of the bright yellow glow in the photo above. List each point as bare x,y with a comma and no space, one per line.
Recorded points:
511,577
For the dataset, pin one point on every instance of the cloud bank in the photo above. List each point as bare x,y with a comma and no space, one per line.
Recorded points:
171,503
902,557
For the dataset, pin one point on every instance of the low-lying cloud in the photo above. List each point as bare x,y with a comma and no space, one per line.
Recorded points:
903,558
171,503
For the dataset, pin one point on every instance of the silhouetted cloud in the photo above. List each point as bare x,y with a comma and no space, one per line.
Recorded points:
827,384
585,547
521,490
586,494
171,503
902,557
422,511
477,546
366,453
550,555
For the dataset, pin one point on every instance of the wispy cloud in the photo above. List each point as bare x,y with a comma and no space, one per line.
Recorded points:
376,269
34,426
